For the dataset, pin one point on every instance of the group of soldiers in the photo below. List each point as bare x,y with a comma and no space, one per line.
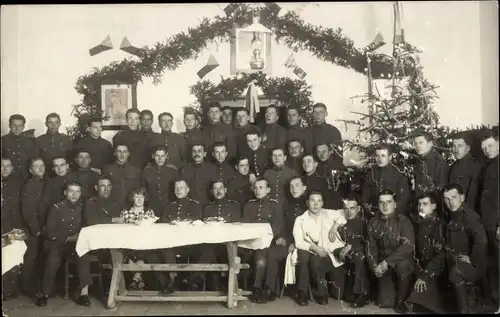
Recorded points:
52,187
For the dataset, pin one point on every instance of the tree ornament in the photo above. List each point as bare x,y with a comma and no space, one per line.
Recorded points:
129,48
377,43
211,64
104,46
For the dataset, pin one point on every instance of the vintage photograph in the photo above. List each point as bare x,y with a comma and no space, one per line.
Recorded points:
115,101
251,52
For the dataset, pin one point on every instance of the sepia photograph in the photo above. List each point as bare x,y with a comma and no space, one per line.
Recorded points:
115,101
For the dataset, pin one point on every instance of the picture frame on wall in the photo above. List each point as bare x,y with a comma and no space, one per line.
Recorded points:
116,99
250,52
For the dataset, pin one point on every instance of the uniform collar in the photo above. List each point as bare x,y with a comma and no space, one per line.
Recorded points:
163,132
279,168
221,201
182,200
53,134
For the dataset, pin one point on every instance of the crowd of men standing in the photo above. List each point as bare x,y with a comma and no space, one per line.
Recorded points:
269,174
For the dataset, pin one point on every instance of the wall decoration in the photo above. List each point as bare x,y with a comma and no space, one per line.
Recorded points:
115,101
104,46
251,50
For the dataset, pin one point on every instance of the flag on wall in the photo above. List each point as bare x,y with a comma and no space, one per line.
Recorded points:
399,32
104,46
129,48
211,64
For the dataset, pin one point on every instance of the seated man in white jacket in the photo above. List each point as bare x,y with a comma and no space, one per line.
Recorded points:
315,250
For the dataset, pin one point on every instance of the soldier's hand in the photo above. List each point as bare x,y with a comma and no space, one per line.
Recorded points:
420,286
345,250
280,241
382,267
464,258
96,170
321,252
291,248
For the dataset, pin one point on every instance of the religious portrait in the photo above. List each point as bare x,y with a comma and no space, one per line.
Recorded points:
115,101
251,52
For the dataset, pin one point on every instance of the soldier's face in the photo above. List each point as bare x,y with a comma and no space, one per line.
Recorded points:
309,164
95,129
315,203
190,121
425,207
386,204
271,115
278,157
83,160
319,115
490,148
7,168
146,122
260,189
139,200
166,123
214,114
242,118
73,193
351,209
133,121
218,190
227,116
103,188
323,152
243,167
453,200
297,188
181,189
37,168
220,153
382,157
198,153
460,148
422,146
53,124
253,141
60,167
17,127
295,149
292,116
160,157
122,154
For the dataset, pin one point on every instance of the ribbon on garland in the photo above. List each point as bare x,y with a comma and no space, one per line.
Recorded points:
252,101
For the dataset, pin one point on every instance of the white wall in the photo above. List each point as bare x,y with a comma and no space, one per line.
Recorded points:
45,49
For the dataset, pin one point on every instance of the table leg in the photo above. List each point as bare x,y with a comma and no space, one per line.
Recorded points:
117,279
232,253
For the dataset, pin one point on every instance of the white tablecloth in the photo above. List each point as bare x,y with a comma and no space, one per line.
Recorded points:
12,255
162,236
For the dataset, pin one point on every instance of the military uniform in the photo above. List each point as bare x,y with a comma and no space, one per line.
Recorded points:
218,132
139,145
193,137
53,192
391,239
465,172
258,160
100,210
431,173
325,133
124,178
275,136
387,177
199,178
11,212
295,163
52,145
241,138
465,235
266,261
279,182
159,183
296,132
324,170
317,183
88,179
225,172
176,147
20,149
239,189
100,150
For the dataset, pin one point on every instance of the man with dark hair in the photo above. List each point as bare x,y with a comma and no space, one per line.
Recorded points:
239,188
216,131
315,182
322,132
101,209
431,170
243,126
18,147
294,157
227,117
224,171
279,177
429,251
193,134
83,174
257,154
158,179
174,142
274,135
124,176
295,131
137,142
146,120
328,165
390,253
466,246
385,175
100,149
465,170
53,143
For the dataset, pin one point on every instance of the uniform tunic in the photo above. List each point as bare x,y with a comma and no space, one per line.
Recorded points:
431,173
53,192
100,210
279,182
199,178
88,179
182,209
489,196
241,139
124,178
176,147
11,212
159,183
317,183
101,151
325,133
275,136
20,149
225,208
295,163
465,172
51,145
239,189
138,144
324,170
294,207
219,132
264,210
31,197
225,172
259,161
302,134
194,137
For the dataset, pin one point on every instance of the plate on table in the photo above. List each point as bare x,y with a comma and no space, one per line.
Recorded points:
146,221
197,223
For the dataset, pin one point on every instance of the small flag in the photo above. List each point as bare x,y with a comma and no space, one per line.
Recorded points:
375,44
104,46
252,101
297,70
212,64
129,48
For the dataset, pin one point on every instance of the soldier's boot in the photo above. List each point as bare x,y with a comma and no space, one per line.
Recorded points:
462,296
403,285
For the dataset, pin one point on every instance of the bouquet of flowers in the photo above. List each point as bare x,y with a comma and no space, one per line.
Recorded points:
146,220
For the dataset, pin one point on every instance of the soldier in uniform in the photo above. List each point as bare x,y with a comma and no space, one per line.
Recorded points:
146,120
64,222
101,209
313,180
224,170
31,197
466,247
257,154
124,176
83,175
216,131
100,149
263,209
322,132
294,157
242,118
296,132
174,142
138,144
328,164
193,134
158,178
279,177
489,210
274,135
227,117
429,249
240,187
199,175
19,148
52,143
465,170
390,253
385,176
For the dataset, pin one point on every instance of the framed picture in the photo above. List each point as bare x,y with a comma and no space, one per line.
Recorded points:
115,101
250,52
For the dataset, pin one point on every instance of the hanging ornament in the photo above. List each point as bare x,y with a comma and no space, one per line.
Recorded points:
377,43
211,64
104,46
297,70
129,48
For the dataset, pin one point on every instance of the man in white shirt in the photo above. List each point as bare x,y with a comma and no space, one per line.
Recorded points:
315,250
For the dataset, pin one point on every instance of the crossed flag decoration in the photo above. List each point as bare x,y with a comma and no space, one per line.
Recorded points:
106,45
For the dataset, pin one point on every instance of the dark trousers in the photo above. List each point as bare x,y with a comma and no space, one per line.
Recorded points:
313,267
84,264
396,280
351,278
266,263
10,282
214,253
432,297
31,264
490,281
462,276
